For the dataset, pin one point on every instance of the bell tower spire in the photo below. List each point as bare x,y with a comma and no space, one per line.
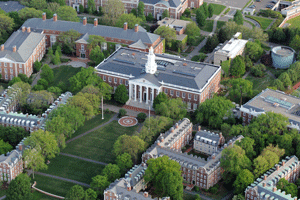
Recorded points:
151,65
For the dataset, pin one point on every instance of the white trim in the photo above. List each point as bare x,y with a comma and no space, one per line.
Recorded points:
113,74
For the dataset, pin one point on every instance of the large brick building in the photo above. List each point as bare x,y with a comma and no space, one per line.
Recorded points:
147,75
155,7
264,187
137,38
20,51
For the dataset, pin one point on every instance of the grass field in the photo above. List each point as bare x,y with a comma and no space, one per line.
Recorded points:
39,196
220,24
63,73
218,8
264,22
260,83
73,168
209,24
98,145
51,185
92,123
226,11
295,22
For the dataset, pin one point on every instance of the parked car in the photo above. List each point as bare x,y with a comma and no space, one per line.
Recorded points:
252,6
258,0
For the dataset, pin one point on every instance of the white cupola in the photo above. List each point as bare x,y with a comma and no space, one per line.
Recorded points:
151,65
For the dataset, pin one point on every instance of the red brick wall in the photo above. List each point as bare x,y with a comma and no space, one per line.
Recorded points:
213,87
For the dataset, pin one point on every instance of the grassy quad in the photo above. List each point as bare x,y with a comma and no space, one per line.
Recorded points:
63,73
294,22
218,8
73,168
264,22
260,83
98,145
209,25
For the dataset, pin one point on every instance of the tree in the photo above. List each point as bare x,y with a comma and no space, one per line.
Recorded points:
55,90
95,40
131,20
210,10
150,17
112,11
233,161
68,39
285,79
43,82
14,80
24,78
83,104
161,97
27,13
81,8
248,145
53,7
75,193
38,4
132,145
140,10
254,51
165,175
90,194
6,25
238,17
260,165
244,178
5,147
56,58
192,30
237,67
278,84
289,188
204,7
122,112
19,188
165,14
124,162
295,43
97,55
141,117
67,13
240,88
279,35
17,20
166,32
91,6
47,73
45,141
121,95
99,183
112,172
212,111
212,42
134,12
34,159
173,108
200,17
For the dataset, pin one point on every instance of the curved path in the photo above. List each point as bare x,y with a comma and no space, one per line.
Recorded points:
253,21
63,179
85,159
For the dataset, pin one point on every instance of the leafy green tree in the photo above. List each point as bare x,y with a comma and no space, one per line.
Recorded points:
161,97
90,194
295,43
205,8
141,117
233,161
91,6
5,147
271,158
172,108
47,73
210,10
150,17
240,88
67,13
131,20
293,75
56,58
165,175
254,51
212,42
238,197
124,161
168,33
43,82
285,79
132,145
122,112
68,39
95,40
237,67
238,17
212,111
187,13
223,35
83,104
278,84
34,159
75,193
112,172
14,80
289,188
97,55
248,145
165,14
260,165
60,2
99,183
121,95
19,188
38,88
81,9
279,35
27,13
53,7
140,10
38,4
134,12
24,78
192,30
244,178
17,20
200,17
55,90
285,141
112,11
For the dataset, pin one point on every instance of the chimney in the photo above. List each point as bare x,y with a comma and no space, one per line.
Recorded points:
28,30
38,122
20,147
136,28
84,21
130,175
125,26
264,184
2,49
54,17
176,125
60,98
213,156
47,112
265,177
44,16
220,134
172,130
283,163
274,189
199,128
146,194
23,28
45,115
56,103
7,111
162,139
95,22
14,48
277,167
128,187
26,114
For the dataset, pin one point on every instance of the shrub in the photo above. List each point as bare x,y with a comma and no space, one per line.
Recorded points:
106,111
122,112
214,189
37,66
141,117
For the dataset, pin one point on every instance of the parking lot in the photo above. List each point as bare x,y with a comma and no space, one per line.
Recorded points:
230,3
262,5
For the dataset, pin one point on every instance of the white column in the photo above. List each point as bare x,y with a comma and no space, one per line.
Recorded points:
147,95
135,92
130,91
152,95
141,87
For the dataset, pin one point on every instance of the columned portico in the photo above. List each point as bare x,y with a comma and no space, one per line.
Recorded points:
136,88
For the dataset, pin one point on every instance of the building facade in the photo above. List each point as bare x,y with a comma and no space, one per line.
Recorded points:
264,187
147,75
9,99
20,51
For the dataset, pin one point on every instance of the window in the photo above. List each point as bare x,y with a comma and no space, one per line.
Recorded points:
189,105
104,78
115,80
166,91
190,96
82,47
195,106
5,70
5,64
21,71
121,81
177,94
195,97
11,77
183,95
52,39
109,79
11,71
171,92
126,82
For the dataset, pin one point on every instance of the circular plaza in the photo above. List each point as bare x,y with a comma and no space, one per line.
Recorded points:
128,121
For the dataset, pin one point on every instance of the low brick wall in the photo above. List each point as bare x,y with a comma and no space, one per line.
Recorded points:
46,193
288,18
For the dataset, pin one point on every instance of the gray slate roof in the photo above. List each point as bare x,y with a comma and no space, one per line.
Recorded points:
25,43
170,3
176,71
207,137
104,31
139,45
10,6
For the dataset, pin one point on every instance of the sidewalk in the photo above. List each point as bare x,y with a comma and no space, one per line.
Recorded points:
129,111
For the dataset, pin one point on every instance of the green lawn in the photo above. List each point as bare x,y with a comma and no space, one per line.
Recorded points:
295,22
226,11
63,73
73,168
220,24
264,22
209,25
98,145
260,83
92,123
51,185
218,8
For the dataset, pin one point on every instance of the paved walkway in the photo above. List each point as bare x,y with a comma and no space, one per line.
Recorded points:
83,134
245,76
63,179
252,21
85,159
3,197
201,195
